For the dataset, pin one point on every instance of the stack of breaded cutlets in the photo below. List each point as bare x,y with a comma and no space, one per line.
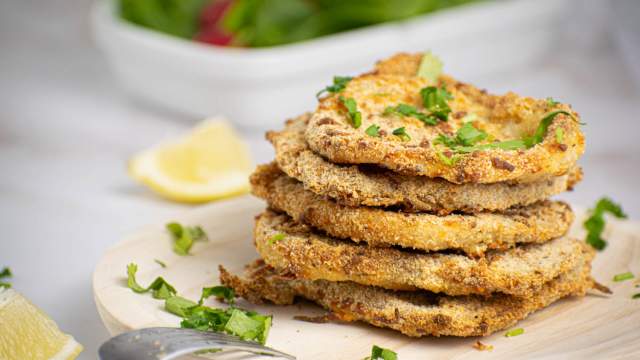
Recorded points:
413,201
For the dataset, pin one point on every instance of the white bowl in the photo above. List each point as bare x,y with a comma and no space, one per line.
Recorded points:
259,88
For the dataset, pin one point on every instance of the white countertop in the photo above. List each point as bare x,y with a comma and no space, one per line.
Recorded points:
66,132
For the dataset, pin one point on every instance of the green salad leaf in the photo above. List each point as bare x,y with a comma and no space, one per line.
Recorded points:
174,17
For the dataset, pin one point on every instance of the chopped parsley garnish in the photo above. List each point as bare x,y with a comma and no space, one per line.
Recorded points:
160,262
220,292
538,136
435,100
623,277
401,132
248,325
514,332
339,83
430,67
352,110
408,110
275,238
184,237
379,353
467,136
5,273
160,288
595,223
373,130
449,161
559,135
552,102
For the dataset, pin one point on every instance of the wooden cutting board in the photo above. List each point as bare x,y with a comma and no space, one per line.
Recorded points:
595,326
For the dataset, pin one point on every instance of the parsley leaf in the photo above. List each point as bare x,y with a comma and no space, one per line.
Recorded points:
275,238
373,130
160,288
379,353
430,67
449,161
401,133
552,102
339,83
220,292
514,332
352,110
408,110
559,135
434,100
5,273
595,223
160,262
623,277
179,306
184,236
248,325
541,131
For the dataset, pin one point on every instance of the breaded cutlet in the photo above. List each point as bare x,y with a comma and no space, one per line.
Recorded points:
362,185
332,134
471,233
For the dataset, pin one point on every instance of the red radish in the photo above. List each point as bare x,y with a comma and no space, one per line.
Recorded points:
211,30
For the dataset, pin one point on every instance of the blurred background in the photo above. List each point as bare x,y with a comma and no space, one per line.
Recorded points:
85,85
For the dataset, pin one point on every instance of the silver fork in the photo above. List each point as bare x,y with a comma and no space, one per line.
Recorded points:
163,343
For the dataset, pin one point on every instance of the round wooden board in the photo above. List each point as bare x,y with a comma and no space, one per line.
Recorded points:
595,326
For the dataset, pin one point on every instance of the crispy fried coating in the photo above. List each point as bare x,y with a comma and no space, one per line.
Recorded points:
471,233
307,255
413,313
355,185
331,134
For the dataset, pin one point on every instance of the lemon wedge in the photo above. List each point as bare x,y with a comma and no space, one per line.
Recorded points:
28,333
210,163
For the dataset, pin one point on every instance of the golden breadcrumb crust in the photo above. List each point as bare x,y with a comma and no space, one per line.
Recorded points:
471,233
508,117
413,313
518,271
357,185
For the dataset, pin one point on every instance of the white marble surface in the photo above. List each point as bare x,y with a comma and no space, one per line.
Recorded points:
66,132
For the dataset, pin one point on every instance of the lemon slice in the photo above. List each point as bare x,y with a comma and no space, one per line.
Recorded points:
210,163
28,333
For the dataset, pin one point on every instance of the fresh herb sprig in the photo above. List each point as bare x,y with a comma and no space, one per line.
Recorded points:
352,109
160,288
339,83
380,353
434,100
185,236
595,223
5,273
